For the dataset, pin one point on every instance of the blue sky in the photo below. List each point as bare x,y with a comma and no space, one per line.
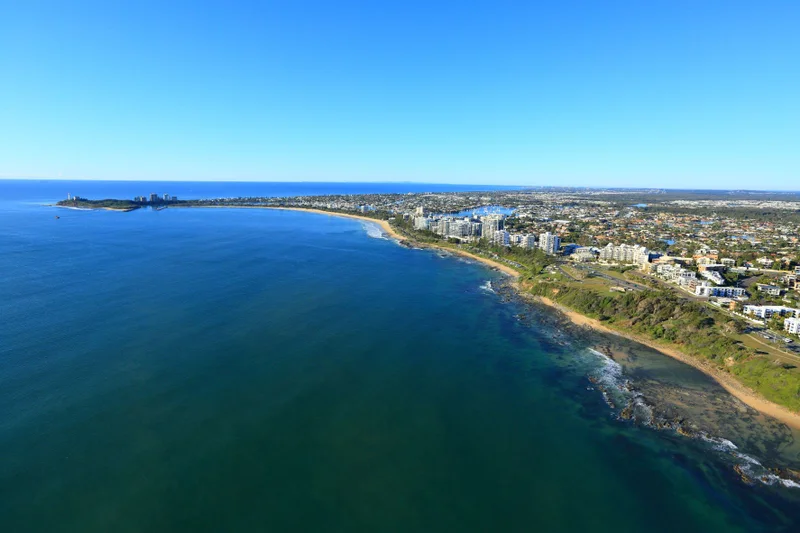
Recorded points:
702,94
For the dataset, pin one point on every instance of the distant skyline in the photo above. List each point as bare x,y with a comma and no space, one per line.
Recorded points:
660,94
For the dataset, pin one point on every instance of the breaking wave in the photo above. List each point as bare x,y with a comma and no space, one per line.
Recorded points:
747,466
617,391
374,230
608,379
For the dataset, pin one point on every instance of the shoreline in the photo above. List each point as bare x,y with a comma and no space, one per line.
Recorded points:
505,269
384,224
733,387
391,231
75,208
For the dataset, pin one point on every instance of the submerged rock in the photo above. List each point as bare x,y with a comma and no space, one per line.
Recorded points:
627,413
743,475
786,473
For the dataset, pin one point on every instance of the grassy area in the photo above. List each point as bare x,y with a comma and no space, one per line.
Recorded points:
750,340
691,327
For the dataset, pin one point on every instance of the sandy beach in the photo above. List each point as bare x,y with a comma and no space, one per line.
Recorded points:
387,228
499,266
749,397
384,224
486,261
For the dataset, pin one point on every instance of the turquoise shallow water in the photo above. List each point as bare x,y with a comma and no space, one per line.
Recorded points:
247,370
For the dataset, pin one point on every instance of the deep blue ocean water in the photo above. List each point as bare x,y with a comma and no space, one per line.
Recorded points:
256,370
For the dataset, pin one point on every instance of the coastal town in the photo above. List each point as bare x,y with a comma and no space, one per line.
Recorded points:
708,278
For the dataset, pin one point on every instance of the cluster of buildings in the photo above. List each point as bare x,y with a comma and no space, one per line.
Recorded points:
625,254
791,324
699,273
490,227
706,281
691,243
768,311
592,218
155,198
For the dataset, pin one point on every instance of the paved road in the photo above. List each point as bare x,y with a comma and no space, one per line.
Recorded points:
629,285
783,356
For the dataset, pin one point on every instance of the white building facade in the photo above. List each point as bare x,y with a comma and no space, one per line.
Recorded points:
625,253
768,311
706,289
549,243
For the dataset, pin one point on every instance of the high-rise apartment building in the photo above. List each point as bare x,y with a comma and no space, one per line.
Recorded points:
549,243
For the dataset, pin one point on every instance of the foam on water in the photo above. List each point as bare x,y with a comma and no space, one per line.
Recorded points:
753,468
374,230
487,286
610,380
720,444
747,464
616,390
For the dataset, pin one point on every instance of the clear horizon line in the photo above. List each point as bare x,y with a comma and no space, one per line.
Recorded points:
588,187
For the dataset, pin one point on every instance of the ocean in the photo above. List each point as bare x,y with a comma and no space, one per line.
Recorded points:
256,370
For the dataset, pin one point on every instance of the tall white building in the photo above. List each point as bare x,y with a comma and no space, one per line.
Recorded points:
422,223
491,223
501,237
458,228
528,241
549,243
792,325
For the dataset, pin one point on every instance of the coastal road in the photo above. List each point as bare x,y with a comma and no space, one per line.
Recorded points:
628,285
